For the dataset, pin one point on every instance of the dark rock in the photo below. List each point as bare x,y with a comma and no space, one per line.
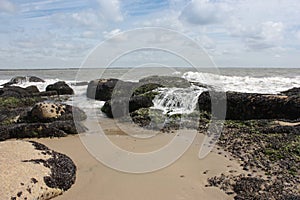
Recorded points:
148,118
138,102
21,79
32,89
45,94
166,81
119,107
38,130
291,92
244,106
105,89
83,83
34,79
145,88
101,89
61,88
14,91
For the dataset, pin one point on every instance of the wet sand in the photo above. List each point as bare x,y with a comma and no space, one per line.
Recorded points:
184,179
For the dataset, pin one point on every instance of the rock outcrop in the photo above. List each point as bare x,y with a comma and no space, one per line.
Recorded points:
103,89
27,119
291,92
61,87
166,81
120,107
244,106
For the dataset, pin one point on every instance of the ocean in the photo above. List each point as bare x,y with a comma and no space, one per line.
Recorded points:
258,80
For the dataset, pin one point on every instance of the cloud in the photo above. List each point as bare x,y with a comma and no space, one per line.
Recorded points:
7,6
261,36
206,42
110,10
111,33
203,12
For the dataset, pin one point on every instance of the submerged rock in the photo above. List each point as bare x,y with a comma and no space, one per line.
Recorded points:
30,170
22,79
61,88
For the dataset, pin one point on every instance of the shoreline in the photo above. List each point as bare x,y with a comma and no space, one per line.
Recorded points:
186,178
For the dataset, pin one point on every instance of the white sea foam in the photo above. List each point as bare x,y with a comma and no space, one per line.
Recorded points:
271,85
177,100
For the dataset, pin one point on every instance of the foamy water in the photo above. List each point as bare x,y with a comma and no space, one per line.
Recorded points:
178,100
271,85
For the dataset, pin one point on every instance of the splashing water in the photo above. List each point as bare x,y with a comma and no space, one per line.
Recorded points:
177,100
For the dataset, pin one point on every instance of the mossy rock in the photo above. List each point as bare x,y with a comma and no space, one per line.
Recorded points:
166,81
146,88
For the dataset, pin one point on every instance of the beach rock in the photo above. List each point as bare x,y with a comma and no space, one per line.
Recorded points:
120,107
39,130
14,91
166,81
102,89
32,89
145,88
290,92
244,106
30,170
82,83
47,112
12,109
149,118
61,88
22,79
18,92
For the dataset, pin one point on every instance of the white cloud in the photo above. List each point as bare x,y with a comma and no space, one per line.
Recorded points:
203,12
111,33
89,34
261,36
110,10
206,42
7,6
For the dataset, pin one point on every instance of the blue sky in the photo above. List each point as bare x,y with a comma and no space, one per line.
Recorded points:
235,33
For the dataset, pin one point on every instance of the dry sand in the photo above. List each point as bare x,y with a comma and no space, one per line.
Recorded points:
184,179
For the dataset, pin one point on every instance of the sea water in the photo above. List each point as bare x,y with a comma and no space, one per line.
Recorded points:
174,100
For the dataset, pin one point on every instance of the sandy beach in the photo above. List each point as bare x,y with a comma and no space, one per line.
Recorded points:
184,179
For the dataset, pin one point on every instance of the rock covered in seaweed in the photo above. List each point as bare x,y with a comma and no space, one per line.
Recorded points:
166,81
244,106
120,107
38,172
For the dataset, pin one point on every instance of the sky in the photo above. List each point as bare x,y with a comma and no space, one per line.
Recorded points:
234,33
